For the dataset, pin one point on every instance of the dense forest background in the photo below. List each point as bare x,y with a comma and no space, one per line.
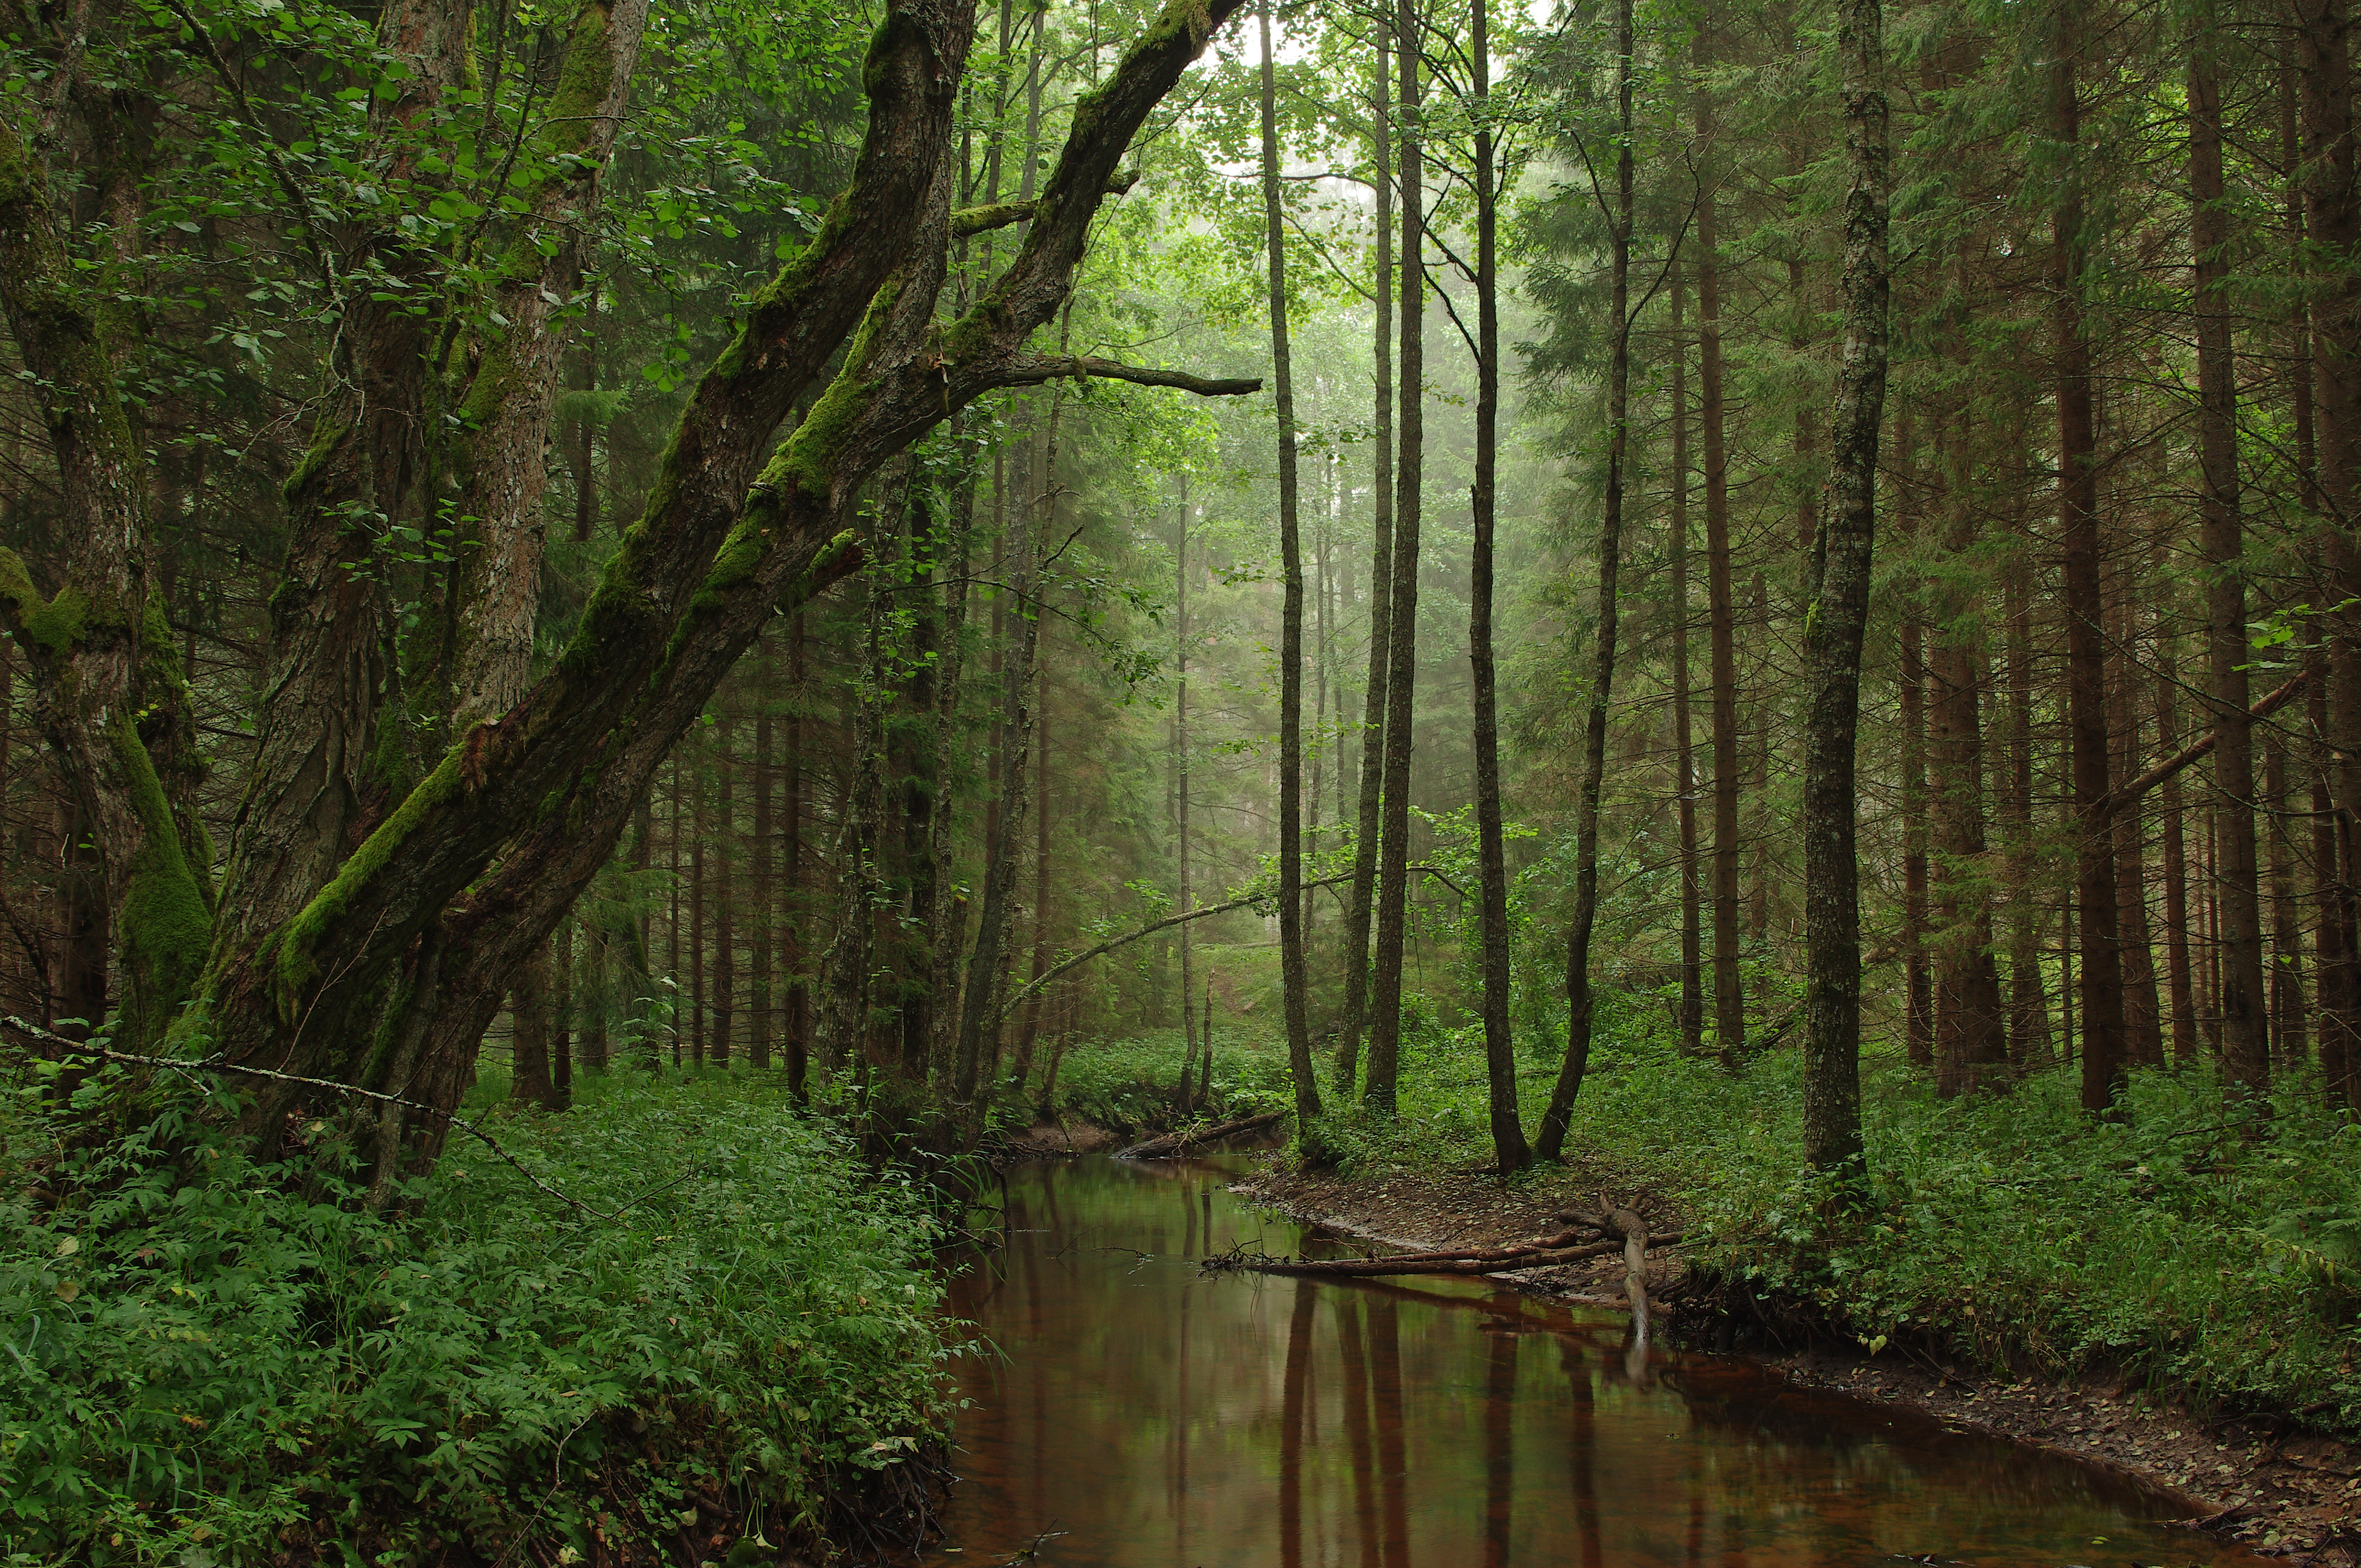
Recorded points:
1072,613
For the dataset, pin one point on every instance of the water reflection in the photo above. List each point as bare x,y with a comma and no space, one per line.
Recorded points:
1163,1419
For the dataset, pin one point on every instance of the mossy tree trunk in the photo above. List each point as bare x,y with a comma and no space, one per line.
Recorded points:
390,964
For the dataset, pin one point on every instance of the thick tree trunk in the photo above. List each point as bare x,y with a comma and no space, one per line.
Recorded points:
1837,621
1294,980
1401,659
1369,829
1550,1143
529,1079
1509,1153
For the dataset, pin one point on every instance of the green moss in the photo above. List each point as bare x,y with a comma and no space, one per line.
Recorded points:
799,592
329,435
165,923
588,76
57,624
301,934
388,761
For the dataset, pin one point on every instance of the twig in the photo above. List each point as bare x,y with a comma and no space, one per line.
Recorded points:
216,1064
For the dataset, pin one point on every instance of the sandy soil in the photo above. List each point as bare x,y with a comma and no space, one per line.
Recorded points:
2249,1478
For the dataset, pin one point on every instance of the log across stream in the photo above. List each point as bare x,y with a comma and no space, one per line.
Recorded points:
1143,1413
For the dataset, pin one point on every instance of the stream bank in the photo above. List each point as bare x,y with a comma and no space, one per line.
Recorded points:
2283,1494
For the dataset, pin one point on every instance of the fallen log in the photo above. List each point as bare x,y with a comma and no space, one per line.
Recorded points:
1565,1247
1172,1144
1634,1232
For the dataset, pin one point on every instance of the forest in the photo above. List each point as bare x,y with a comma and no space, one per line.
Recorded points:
640,639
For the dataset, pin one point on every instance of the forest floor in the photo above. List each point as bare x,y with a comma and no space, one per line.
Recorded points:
2246,1477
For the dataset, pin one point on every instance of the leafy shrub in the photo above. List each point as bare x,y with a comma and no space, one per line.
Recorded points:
211,1361
1131,1085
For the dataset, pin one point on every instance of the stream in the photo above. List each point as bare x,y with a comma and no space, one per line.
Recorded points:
1139,1413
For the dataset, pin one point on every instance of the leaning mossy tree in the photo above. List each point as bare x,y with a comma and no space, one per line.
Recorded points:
374,905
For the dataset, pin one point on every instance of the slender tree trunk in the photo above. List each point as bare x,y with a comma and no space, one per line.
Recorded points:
723,1029
2178,986
1368,829
1837,618
1551,1142
1729,983
2104,1046
1919,986
1181,795
761,1007
1030,1035
2245,1034
2289,1029
1294,980
561,1017
2334,219
2028,1002
798,1023
701,834
2143,1017
529,1032
1692,1005
1972,1047
1401,660
1509,1153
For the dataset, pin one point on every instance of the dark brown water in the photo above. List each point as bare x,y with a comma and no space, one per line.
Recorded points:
1156,1417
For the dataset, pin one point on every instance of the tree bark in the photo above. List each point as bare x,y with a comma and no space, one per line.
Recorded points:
1973,1046
1692,1004
2096,919
1294,980
1550,1143
1401,659
1728,982
2183,998
1837,620
1369,826
2245,1023
1509,1153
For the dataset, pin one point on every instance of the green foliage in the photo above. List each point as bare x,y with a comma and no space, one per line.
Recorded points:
210,1359
2209,1252
1129,1085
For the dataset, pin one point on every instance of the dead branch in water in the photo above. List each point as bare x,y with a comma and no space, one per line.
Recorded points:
1542,1252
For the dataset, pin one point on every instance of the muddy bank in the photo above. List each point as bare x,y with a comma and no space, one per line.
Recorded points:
2248,1477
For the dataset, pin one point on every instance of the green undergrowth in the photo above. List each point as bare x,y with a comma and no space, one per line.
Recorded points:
2195,1247
1132,1085
213,1362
